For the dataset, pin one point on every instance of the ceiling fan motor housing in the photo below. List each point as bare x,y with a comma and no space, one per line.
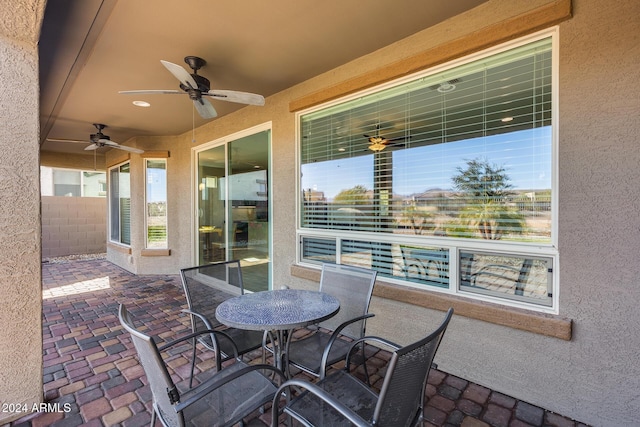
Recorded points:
203,86
96,137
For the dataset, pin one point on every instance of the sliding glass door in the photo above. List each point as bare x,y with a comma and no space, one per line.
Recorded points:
233,205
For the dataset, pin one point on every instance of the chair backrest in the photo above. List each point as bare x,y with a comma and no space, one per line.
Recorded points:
208,285
401,397
155,370
353,287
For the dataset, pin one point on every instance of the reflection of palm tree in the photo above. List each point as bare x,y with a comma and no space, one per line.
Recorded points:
419,219
485,189
493,219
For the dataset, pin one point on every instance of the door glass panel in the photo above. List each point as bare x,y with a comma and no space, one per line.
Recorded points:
248,226
233,207
211,205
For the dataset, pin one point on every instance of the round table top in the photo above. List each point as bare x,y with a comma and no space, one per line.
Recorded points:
277,310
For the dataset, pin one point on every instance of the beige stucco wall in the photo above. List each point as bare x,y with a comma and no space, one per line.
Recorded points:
73,161
595,377
20,276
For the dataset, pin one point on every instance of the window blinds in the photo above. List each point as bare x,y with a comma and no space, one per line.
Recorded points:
494,113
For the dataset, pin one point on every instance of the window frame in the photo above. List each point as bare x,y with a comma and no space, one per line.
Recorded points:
49,190
146,203
537,250
110,202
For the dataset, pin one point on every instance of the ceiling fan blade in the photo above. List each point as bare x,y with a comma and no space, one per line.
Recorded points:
180,74
205,109
107,142
152,92
236,96
75,141
91,147
399,138
130,149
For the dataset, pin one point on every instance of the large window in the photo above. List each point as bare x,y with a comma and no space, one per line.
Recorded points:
120,204
434,178
156,206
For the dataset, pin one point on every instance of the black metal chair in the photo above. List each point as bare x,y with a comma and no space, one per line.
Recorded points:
205,287
353,287
341,399
224,399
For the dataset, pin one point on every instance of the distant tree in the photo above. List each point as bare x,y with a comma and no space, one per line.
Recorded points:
353,196
485,188
482,180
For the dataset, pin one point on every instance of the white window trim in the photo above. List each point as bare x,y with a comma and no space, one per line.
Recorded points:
512,248
118,242
146,202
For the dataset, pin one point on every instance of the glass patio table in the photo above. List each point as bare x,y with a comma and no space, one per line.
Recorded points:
277,312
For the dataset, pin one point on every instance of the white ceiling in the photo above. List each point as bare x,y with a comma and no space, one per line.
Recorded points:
91,49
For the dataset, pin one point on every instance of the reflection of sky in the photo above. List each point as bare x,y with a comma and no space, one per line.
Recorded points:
525,156
156,185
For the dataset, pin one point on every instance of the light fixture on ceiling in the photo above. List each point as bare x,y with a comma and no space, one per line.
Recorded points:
446,87
141,104
377,144
506,119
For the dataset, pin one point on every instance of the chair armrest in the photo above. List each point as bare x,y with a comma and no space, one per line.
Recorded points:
354,418
200,316
210,327
487,270
216,382
380,340
334,337
188,337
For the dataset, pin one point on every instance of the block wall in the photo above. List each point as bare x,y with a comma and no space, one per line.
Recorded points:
73,225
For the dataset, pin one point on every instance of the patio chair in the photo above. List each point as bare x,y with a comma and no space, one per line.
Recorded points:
315,352
341,399
485,274
205,287
224,399
428,265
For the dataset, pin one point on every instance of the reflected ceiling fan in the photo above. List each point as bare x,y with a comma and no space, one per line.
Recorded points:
197,86
98,140
378,143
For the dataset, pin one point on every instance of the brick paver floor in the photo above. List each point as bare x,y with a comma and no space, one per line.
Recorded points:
92,376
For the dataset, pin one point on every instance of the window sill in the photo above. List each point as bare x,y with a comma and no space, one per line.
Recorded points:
119,248
156,252
538,323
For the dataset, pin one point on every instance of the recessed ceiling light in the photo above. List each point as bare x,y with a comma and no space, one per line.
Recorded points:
446,87
341,149
141,104
506,119
256,167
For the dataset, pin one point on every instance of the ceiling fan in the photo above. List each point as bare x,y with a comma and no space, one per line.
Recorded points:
98,140
197,86
378,142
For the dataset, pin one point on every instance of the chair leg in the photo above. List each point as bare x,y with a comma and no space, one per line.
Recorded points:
364,363
193,363
153,417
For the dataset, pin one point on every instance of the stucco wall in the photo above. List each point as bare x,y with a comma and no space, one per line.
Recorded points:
20,276
73,225
595,377
179,214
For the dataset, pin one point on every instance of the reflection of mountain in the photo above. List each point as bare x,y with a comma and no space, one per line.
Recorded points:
431,193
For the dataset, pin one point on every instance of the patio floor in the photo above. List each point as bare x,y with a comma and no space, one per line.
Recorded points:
90,364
